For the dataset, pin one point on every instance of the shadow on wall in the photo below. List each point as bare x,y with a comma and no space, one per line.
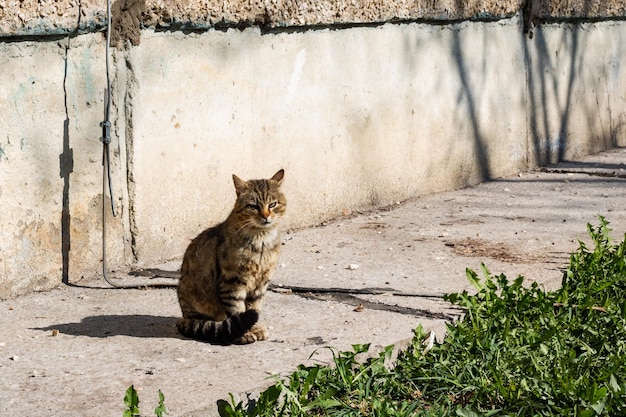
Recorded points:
550,133
553,84
66,163
482,158
66,167
480,151
542,82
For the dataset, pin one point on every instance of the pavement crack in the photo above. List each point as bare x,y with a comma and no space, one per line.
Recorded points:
341,295
600,172
154,273
373,305
366,291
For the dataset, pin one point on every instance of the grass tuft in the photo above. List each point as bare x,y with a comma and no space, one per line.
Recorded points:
518,351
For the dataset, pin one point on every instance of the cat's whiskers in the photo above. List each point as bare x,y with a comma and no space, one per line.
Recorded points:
245,225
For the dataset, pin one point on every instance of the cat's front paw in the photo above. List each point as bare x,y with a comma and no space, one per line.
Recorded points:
246,339
260,331
257,332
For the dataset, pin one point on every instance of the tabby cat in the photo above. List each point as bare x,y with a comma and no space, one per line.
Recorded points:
226,268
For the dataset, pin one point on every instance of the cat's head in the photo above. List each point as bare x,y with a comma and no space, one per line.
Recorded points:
260,203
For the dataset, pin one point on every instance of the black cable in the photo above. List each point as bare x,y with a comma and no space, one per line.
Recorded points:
106,166
106,156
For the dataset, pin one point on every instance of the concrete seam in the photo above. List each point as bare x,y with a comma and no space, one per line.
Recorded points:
131,87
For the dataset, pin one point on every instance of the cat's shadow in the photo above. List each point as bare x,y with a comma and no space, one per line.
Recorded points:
119,325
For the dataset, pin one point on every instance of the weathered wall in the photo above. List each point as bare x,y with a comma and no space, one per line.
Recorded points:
351,116
576,90
50,163
45,17
358,116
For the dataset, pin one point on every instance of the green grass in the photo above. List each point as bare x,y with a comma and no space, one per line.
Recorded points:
518,351
131,401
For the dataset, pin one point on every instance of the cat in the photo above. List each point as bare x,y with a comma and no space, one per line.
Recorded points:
226,269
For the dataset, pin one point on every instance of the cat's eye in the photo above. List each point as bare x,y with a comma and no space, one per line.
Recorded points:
254,207
272,205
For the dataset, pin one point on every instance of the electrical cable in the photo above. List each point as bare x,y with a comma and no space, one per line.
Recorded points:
106,167
106,155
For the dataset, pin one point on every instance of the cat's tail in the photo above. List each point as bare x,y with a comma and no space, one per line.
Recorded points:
218,332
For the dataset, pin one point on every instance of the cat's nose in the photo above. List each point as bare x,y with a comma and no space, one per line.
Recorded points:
265,213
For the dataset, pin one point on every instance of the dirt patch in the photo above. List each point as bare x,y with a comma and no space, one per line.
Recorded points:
480,248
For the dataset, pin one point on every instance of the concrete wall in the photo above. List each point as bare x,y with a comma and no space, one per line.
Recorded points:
358,116
51,163
576,90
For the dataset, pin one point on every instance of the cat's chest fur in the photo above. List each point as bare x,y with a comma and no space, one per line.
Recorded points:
253,257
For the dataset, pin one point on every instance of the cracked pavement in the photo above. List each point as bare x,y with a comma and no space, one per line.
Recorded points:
362,278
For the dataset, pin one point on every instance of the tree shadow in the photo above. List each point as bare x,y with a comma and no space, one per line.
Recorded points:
555,83
143,326
66,163
555,80
541,80
482,156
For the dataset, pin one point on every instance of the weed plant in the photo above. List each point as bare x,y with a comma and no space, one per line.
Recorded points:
131,401
518,351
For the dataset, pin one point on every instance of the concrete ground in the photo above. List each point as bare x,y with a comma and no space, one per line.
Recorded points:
73,351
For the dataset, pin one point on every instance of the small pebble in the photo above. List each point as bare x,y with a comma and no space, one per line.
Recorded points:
352,267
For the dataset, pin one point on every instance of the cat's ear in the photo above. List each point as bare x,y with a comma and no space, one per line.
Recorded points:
240,185
278,177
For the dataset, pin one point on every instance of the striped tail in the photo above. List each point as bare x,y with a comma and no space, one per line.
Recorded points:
218,332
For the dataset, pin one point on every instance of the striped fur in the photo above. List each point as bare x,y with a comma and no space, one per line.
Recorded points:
218,332
226,269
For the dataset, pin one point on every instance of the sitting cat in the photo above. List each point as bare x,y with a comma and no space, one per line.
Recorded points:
226,268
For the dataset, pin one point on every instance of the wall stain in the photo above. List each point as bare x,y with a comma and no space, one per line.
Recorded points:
126,22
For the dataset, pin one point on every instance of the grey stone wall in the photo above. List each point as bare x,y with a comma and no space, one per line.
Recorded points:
363,116
58,17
